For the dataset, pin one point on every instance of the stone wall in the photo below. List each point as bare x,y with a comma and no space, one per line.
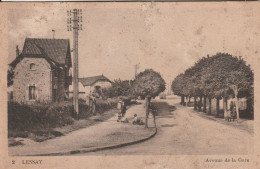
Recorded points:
39,76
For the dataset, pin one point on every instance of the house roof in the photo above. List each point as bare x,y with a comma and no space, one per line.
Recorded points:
87,81
54,50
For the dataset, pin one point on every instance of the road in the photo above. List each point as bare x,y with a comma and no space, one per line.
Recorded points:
182,132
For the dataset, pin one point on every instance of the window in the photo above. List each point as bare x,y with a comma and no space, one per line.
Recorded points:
32,94
32,66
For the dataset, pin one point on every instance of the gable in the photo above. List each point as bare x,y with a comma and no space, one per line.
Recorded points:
38,62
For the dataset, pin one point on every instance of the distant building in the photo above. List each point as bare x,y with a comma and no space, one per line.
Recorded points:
89,85
42,71
82,93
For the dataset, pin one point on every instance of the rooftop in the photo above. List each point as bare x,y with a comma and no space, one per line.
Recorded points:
87,81
53,49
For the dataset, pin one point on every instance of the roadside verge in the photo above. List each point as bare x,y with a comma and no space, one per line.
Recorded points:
108,134
102,148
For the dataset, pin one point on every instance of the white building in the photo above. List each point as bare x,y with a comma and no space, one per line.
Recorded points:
94,83
88,85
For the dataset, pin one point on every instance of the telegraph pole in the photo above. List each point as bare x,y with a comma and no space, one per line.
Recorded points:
73,24
136,68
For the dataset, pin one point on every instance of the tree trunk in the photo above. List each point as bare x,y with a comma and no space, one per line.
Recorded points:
205,104
217,105
195,103
189,99
237,102
209,105
146,112
200,103
186,101
182,100
249,107
225,106
237,108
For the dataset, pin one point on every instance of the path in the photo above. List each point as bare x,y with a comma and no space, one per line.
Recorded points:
182,132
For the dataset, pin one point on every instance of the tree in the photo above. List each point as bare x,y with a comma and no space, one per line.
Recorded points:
118,88
217,77
177,86
239,80
229,73
147,83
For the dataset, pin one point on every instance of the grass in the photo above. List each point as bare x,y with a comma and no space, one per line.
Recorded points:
92,120
40,122
49,133
127,133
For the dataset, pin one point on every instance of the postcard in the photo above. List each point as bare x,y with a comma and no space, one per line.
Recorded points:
149,85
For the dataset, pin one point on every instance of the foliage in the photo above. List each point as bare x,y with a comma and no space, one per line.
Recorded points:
216,77
118,88
23,118
148,82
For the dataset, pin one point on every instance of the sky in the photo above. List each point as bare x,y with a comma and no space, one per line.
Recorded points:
167,37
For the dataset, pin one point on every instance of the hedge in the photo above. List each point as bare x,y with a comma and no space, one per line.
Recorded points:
40,116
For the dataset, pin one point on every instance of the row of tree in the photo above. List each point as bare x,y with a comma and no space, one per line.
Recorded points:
220,76
148,82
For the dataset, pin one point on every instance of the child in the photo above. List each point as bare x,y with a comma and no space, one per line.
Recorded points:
135,119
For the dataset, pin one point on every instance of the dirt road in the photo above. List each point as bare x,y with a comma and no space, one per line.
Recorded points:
181,132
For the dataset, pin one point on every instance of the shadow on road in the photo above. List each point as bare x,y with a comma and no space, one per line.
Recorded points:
163,109
168,125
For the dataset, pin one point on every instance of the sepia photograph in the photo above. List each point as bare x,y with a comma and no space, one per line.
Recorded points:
118,79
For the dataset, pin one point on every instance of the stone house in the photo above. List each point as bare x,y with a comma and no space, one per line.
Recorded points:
42,72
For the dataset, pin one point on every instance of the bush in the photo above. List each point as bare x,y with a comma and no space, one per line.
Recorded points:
39,117
105,105
23,117
59,114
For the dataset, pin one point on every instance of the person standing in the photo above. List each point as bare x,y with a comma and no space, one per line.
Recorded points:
94,103
123,108
119,108
230,111
90,104
233,112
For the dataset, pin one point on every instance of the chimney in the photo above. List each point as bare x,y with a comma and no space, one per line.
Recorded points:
17,51
53,32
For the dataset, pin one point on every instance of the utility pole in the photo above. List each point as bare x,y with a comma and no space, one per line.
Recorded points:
73,24
53,33
136,68
169,88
